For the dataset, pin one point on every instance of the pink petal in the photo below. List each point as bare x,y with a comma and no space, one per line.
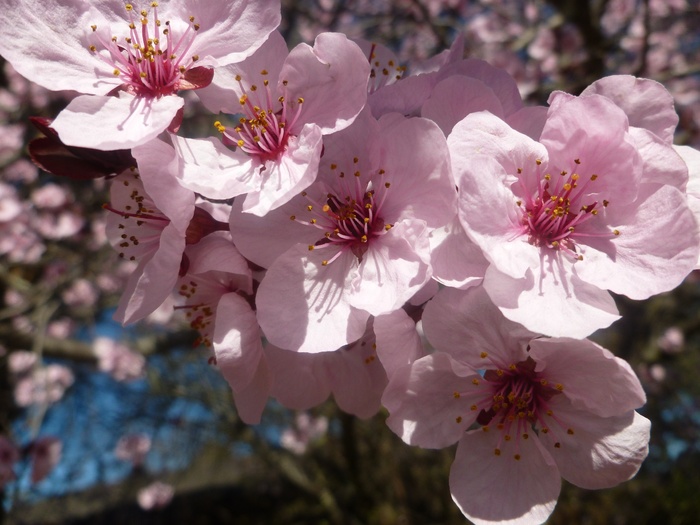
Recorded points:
424,407
294,171
594,131
393,269
332,79
499,80
657,247
601,452
297,383
237,344
562,306
647,103
456,97
398,341
159,167
153,279
493,489
303,305
217,253
230,31
109,123
251,400
281,233
662,164
413,152
454,322
63,60
456,260
213,170
592,376
223,94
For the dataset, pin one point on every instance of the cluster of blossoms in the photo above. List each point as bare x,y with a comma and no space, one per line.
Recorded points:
420,241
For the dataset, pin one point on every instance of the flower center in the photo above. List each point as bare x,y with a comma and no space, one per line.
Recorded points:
263,130
139,224
198,313
380,74
515,400
151,61
350,217
556,215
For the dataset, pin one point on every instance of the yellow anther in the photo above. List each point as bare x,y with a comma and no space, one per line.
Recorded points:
115,72
475,381
559,387
363,238
458,419
516,457
538,162
474,408
497,451
570,431
129,7
388,227
311,247
616,232
456,395
594,176
483,355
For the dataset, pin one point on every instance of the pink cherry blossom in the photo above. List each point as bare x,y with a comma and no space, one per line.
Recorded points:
546,409
149,221
142,54
288,101
305,430
567,218
118,360
357,242
22,362
157,495
133,448
81,293
43,386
